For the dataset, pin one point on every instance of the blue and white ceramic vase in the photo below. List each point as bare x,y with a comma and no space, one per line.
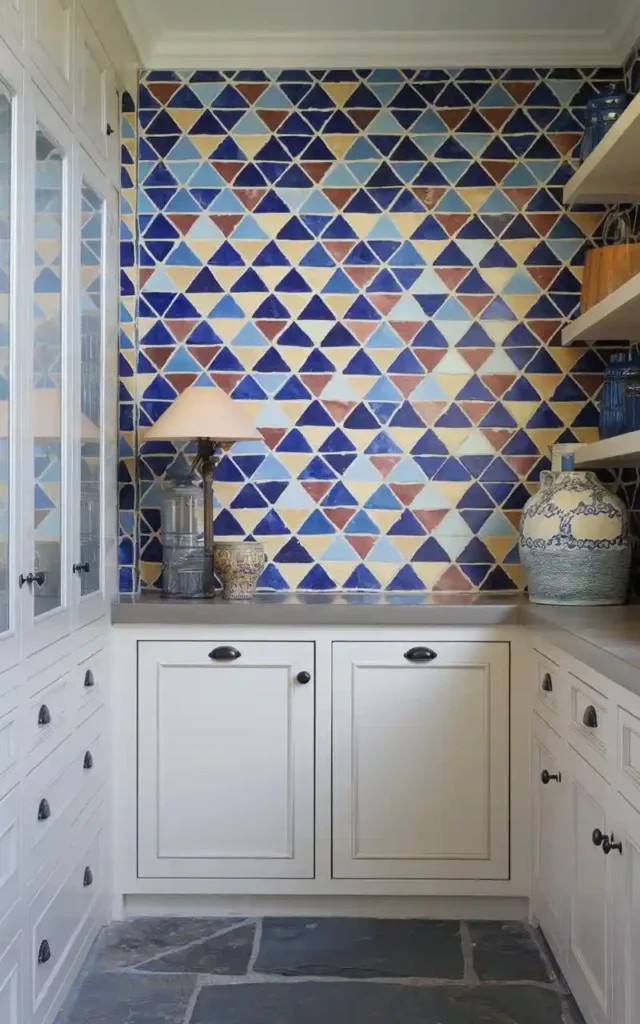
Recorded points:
575,544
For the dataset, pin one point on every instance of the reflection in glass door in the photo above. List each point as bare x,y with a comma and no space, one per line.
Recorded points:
6,150
91,312
46,397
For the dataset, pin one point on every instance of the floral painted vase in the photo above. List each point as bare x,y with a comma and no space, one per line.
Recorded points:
574,541
238,565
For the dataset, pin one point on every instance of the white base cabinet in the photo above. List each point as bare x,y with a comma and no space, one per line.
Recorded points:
585,884
226,760
420,760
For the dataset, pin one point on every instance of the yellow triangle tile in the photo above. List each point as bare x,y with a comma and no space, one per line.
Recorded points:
250,144
384,357
294,461
451,437
521,411
545,383
429,572
360,384
249,301
362,489
294,410
339,304
475,197
383,518
520,304
587,222
567,357
149,572
204,248
316,436
341,356
202,303
317,330
383,571
499,546
544,438
362,223
497,277
205,144
250,517
405,437
341,571
519,248
407,546
567,411
271,546
407,223
453,491
517,574
249,355
225,329
452,383
272,276
294,251
430,250
340,91
339,144
272,223
317,277
498,329
248,249
185,118
227,276
586,434
295,357
316,546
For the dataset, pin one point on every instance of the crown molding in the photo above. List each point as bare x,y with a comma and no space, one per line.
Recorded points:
500,48
625,34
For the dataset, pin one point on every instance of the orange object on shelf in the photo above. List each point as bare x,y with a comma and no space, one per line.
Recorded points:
606,269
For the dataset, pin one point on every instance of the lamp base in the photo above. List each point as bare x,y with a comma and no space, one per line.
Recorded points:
188,574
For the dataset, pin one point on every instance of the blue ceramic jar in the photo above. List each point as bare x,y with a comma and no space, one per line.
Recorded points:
601,113
612,396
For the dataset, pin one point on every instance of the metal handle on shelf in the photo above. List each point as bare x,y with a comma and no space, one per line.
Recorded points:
88,760
547,683
88,877
44,952
88,678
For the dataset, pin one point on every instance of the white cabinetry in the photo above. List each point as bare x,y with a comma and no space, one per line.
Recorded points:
226,759
420,756
549,831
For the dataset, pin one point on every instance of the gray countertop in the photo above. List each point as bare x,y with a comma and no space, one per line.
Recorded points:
605,639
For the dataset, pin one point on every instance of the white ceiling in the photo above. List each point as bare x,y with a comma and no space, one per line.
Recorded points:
263,33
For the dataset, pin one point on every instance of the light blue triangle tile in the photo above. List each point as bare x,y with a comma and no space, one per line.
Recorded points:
315,202
294,496
184,170
383,391
270,382
519,177
497,525
427,143
340,390
429,124
339,177
160,282
273,98
182,362
564,249
452,202
408,171
272,415
184,150
385,123
385,75
454,545
429,391
226,202
125,233
497,203
183,202
271,469
249,230
294,198
385,551
454,169
207,177
408,309
384,91
429,497
406,472
183,256
427,284
475,249
362,149
126,129
564,89
385,337
453,525
144,203
250,337
207,92
250,124
227,309
362,170
384,230
521,284
339,550
205,228
543,170
497,96
363,470
452,310
475,143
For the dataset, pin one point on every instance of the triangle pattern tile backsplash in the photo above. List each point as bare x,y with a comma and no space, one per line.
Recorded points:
378,264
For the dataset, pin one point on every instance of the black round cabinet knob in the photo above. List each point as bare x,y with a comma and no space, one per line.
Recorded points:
303,678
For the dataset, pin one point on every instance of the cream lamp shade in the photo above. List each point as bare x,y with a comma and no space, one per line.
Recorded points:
204,412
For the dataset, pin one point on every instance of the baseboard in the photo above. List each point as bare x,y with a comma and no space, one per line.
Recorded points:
496,908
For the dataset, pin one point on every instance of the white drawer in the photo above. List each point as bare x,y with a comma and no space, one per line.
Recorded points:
89,681
628,751
60,915
9,850
48,719
11,968
589,724
9,732
59,788
551,687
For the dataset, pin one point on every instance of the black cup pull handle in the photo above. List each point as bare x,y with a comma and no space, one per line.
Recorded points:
44,715
88,678
547,683
87,879
224,654
44,952
88,760
420,654
44,811
590,717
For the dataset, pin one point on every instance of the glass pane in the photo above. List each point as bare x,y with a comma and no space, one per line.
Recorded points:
5,299
47,373
91,270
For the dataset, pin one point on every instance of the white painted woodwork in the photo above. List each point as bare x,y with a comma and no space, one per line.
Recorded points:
53,33
420,755
611,452
614,318
588,938
12,17
609,173
226,761
9,849
628,750
95,89
11,973
549,822
625,871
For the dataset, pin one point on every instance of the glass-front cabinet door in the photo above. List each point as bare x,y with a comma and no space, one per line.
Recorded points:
50,391
11,198
89,457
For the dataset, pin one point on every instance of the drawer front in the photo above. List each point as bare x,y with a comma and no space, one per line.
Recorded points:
9,850
11,968
59,914
550,687
628,749
60,788
9,731
89,682
589,721
48,719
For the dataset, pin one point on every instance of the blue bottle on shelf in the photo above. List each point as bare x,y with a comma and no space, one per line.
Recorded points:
612,396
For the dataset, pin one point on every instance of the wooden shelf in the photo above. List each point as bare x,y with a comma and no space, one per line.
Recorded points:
616,318
610,172
613,451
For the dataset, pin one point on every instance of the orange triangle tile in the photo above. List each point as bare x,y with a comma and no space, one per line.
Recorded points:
543,222
204,354
361,545
227,381
496,116
144,274
497,436
520,196
452,116
272,436
157,355
385,463
361,275
405,383
339,250
251,91
451,276
518,90
250,197
429,197
227,169
475,357
362,329
316,489
521,464
363,118
384,303
182,222
545,330
474,304
271,328
181,381
316,382
476,411
338,410
163,91
227,222
429,357
180,329
339,516
498,383
543,275
407,329
452,580
565,142
316,169
273,118
339,196
430,517
452,222
498,169
406,493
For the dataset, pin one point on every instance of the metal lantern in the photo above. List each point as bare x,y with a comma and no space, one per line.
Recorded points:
187,563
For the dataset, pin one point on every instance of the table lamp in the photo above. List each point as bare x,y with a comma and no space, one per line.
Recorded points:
216,421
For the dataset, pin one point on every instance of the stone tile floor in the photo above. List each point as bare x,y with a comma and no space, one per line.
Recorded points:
320,970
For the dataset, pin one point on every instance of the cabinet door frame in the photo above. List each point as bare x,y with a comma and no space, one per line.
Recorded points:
295,657
625,822
595,1004
96,138
493,657
91,606
13,76
547,752
46,73
45,629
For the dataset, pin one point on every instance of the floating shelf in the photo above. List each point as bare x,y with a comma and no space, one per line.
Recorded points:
610,172
616,318
613,452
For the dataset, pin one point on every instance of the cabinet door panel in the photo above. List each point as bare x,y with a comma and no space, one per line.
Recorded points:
11,974
421,761
548,874
95,87
225,761
53,44
589,925
625,871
